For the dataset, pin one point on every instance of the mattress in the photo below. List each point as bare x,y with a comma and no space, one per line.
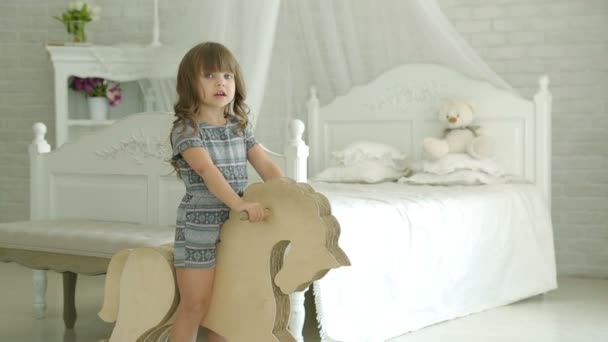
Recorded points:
426,254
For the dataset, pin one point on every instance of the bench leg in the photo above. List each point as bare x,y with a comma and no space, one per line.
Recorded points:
39,282
69,293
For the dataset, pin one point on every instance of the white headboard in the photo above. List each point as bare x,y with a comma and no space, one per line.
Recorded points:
400,106
121,173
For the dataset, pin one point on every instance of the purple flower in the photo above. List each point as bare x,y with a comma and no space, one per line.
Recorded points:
78,83
98,87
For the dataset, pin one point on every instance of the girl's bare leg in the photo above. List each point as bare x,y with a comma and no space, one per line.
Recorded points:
195,287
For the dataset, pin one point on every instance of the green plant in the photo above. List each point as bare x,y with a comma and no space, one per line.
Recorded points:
76,17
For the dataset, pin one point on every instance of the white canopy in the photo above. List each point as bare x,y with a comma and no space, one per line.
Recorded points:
285,46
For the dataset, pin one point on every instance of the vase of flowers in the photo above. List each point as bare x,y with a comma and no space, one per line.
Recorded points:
76,17
98,108
101,95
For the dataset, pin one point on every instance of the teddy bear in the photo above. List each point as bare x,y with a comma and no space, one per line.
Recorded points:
460,136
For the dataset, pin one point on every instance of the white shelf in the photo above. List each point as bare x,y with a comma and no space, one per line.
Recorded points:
86,122
121,63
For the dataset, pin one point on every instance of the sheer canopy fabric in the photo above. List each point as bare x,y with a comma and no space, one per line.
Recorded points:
247,28
286,46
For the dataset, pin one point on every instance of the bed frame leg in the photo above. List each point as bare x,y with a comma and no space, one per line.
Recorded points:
39,281
297,315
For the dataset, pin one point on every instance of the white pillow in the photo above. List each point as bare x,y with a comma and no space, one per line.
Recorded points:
360,151
362,172
458,161
461,177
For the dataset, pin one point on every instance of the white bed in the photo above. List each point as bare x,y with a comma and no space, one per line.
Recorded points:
419,255
425,254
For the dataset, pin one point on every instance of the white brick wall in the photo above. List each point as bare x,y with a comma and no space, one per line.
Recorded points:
520,39
568,40
26,80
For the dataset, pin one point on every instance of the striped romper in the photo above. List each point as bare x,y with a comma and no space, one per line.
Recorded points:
200,214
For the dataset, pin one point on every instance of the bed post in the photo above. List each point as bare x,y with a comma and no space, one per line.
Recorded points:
313,130
296,154
38,208
543,100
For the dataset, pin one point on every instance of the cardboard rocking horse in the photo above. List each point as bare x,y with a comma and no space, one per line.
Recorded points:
258,266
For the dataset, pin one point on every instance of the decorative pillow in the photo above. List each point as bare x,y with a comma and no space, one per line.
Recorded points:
458,161
461,177
362,172
360,151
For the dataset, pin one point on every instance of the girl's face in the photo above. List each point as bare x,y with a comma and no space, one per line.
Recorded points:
217,88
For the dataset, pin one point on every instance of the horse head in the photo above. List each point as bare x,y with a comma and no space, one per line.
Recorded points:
307,242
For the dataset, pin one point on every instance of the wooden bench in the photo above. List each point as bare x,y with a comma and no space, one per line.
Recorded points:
72,247
110,190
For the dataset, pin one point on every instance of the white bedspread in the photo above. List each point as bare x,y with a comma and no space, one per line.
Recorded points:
423,254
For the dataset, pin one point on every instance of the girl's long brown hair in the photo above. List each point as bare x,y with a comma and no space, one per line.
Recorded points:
207,57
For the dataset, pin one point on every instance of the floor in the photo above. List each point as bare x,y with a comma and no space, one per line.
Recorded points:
576,312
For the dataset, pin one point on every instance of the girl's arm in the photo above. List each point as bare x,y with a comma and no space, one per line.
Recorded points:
262,163
198,158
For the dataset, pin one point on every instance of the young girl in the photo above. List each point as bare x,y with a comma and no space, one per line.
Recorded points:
212,143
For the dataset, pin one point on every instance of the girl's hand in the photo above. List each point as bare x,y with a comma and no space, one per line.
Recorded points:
254,210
